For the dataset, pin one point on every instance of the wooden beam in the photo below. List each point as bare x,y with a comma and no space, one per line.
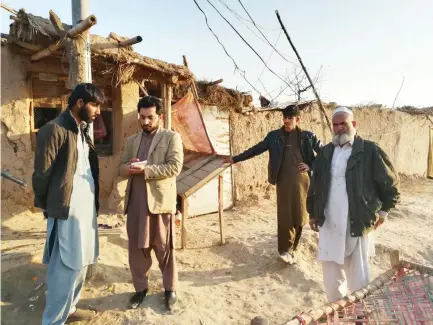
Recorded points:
15,18
184,217
185,62
167,91
13,11
221,208
46,52
57,23
27,46
216,82
81,27
192,85
131,41
116,37
141,86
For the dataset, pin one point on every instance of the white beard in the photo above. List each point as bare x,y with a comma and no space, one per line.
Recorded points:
341,139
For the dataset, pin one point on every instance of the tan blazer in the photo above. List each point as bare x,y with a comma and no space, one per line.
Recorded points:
164,163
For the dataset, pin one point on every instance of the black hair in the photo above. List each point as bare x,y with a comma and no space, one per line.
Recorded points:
291,110
150,101
88,93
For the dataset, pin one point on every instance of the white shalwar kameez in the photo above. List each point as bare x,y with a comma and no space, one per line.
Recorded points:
344,258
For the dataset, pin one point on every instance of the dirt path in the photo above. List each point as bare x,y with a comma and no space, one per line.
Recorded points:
227,284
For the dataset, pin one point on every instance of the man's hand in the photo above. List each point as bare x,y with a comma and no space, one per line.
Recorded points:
382,218
136,170
313,225
303,167
229,160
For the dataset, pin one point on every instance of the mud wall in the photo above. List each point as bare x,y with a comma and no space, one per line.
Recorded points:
16,148
125,125
404,137
17,154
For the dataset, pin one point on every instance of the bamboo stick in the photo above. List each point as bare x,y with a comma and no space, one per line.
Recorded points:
82,26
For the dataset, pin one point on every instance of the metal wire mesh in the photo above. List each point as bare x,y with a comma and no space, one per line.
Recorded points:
42,115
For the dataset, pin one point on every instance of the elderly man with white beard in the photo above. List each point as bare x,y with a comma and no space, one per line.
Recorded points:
353,187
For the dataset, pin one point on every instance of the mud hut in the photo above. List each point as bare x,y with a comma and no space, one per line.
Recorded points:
35,92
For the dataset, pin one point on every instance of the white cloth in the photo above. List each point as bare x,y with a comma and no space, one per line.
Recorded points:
354,274
342,255
342,109
78,235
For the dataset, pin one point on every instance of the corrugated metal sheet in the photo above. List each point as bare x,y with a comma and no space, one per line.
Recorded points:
205,200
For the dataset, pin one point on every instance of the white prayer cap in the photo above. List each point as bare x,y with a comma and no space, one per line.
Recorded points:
342,109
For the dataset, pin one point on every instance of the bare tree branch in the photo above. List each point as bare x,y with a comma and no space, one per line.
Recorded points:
398,93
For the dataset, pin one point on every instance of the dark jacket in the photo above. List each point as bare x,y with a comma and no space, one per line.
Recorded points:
371,183
55,163
274,143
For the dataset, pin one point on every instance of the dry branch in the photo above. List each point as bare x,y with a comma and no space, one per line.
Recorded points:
398,93
57,23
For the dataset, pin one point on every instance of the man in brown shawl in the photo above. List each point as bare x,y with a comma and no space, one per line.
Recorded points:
291,155
151,159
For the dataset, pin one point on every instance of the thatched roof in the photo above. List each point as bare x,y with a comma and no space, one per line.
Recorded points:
123,62
216,95
416,111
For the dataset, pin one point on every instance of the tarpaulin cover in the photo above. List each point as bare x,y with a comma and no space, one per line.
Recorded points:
187,120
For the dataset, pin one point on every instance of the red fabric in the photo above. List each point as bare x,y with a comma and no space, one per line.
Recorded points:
99,129
187,120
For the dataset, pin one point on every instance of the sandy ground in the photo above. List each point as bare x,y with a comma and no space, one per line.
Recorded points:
227,284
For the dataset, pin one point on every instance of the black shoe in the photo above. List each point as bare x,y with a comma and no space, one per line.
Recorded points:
137,299
170,299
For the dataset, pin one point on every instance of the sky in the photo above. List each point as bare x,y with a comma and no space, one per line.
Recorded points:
360,51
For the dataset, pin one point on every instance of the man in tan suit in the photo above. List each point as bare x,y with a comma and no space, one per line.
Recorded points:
151,159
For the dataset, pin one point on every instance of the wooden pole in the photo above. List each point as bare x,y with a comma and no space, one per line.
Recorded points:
184,217
80,71
167,91
131,41
221,208
46,52
305,71
193,86
430,155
